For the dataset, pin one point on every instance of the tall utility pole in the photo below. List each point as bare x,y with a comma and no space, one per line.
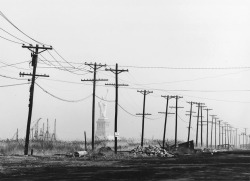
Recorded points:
246,136
35,52
215,123
236,129
55,130
144,92
176,117
225,130
197,126
228,135
219,131
95,67
190,117
17,134
166,115
202,124
207,124
116,71
212,129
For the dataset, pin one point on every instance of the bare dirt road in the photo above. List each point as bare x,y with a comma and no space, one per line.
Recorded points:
202,167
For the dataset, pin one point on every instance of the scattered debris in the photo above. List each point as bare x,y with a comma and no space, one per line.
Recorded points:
151,151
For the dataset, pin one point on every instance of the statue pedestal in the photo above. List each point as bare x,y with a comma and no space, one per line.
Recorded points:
102,128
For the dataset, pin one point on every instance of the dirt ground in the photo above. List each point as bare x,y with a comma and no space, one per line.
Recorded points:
198,167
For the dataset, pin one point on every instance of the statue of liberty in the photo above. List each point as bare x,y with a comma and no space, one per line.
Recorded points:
103,106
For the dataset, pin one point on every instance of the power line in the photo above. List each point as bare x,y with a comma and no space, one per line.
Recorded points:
1,13
14,36
5,76
12,65
186,68
11,85
79,100
11,40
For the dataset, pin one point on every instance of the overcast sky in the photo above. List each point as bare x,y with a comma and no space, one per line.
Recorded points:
146,33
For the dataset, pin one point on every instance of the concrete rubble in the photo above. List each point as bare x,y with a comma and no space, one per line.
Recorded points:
151,151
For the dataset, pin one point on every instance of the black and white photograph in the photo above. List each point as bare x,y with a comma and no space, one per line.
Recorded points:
125,90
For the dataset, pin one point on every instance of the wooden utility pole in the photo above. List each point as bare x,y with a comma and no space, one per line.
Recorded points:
246,136
215,123
212,130
207,125
190,118
85,141
225,130
116,71
219,132
144,92
35,52
166,115
176,116
201,106
197,126
95,67
236,129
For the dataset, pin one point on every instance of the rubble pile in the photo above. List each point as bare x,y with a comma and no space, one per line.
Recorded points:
151,151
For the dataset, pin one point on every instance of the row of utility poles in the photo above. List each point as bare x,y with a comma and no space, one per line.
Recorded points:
35,52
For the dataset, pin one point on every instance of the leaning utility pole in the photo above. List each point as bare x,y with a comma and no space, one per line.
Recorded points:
95,67
166,115
116,71
35,52
144,92
176,116
190,117
207,124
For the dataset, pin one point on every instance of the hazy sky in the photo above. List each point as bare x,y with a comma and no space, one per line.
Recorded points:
146,33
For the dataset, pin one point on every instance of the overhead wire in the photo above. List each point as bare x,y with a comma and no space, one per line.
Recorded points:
62,99
11,40
2,14
14,36
12,85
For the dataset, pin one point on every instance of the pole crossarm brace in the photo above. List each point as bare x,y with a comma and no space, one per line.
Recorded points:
94,80
30,47
115,84
165,113
30,74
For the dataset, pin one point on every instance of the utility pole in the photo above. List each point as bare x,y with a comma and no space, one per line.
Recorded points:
85,141
246,136
95,67
176,117
34,54
207,124
228,136
215,123
197,126
190,117
219,132
236,145
212,129
144,93
116,71
225,133
55,130
166,115
17,134
201,106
